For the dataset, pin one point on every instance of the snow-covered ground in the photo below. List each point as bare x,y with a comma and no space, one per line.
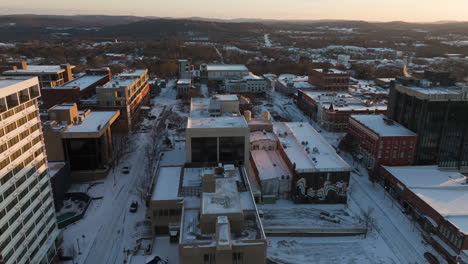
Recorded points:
321,250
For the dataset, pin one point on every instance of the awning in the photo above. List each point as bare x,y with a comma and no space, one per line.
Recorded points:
173,233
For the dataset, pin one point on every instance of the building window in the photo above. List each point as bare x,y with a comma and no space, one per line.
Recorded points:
237,258
402,154
209,258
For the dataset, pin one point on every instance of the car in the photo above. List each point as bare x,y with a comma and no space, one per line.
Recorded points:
431,258
133,207
126,170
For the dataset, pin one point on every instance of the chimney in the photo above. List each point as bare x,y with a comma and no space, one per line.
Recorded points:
247,115
266,116
68,76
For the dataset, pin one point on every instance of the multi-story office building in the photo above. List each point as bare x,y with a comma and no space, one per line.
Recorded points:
49,75
81,138
185,69
219,72
216,132
28,229
438,115
329,80
332,110
81,88
247,84
126,92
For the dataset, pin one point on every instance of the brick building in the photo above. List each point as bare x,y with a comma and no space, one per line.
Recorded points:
329,80
76,90
332,110
437,199
49,75
381,141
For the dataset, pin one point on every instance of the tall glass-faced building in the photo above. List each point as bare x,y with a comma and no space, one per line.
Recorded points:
439,115
28,229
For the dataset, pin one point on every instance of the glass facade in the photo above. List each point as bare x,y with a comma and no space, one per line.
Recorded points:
84,154
442,128
231,149
204,149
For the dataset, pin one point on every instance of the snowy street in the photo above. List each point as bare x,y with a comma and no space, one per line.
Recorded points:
108,228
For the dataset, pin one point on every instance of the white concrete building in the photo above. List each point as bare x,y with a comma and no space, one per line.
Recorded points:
216,132
219,72
247,84
28,229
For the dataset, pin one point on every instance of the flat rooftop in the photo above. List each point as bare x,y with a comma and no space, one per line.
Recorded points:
260,135
226,97
380,126
334,71
224,121
304,146
270,165
226,67
96,121
82,82
167,185
200,116
225,199
434,93
124,79
445,191
39,69
6,81
184,81
343,101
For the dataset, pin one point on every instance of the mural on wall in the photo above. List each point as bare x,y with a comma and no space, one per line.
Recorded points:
328,193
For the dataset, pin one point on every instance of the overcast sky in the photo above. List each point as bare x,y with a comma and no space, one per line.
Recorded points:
371,10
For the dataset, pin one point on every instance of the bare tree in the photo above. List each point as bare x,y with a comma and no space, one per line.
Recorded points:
368,219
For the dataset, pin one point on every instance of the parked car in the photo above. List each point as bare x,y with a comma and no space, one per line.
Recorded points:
431,258
134,207
329,217
126,170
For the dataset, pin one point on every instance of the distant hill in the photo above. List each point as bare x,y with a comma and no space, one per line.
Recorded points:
27,27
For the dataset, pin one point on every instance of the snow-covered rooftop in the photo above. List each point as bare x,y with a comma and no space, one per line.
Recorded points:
83,82
225,199
184,82
125,79
260,135
201,117
224,121
270,165
426,176
305,147
10,81
226,97
383,128
343,101
334,71
445,191
94,122
226,67
252,76
39,69
167,185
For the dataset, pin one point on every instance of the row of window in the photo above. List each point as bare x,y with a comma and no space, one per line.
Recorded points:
15,110
451,236
4,163
167,212
237,258
34,236
394,154
29,231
